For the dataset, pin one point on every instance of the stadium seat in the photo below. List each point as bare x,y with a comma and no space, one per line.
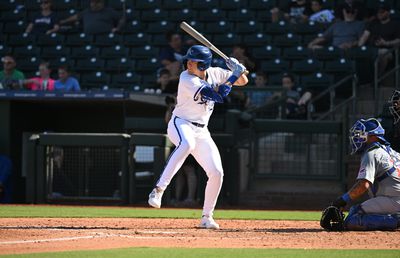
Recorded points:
147,4
8,5
248,27
53,39
54,51
232,4
373,4
160,27
117,51
176,4
263,16
79,39
87,51
277,28
257,39
122,64
360,53
89,65
306,66
63,5
158,40
226,40
275,66
262,5
266,52
286,40
14,27
57,62
179,15
218,27
340,66
95,80
21,39
296,53
4,49
242,14
32,6
134,26
317,81
328,53
12,15
275,79
108,39
136,39
26,51
311,28
204,4
127,80
211,15
29,65
146,51
154,15
120,4
146,65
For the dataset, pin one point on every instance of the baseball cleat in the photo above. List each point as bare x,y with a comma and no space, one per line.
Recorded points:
155,198
208,223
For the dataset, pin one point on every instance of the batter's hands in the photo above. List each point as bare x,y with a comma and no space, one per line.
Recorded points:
224,90
231,63
238,70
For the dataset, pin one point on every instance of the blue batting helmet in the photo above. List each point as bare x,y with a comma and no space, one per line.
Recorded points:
361,130
200,54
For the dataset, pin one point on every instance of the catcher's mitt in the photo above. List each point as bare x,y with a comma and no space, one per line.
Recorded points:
332,219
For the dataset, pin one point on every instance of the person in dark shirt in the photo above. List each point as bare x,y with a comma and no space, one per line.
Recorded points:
98,19
384,34
295,12
45,22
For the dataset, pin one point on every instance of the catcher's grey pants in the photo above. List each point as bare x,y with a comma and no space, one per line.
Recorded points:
381,205
191,139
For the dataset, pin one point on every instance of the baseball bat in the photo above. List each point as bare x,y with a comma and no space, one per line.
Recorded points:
203,40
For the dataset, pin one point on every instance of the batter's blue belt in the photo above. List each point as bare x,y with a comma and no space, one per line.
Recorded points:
388,173
193,123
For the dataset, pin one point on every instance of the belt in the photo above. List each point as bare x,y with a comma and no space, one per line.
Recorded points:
198,125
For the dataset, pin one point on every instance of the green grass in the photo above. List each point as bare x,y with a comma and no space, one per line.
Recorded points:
38,211
220,253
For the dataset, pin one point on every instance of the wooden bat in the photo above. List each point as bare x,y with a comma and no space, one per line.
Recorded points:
199,37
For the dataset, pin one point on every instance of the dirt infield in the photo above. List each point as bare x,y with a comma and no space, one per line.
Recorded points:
27,235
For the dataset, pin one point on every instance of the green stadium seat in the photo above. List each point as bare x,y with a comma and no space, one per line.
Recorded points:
311,28
4,49
117,51
78,39
54,51
26,51
147,4
62,5
306,66
89,65
277,28
242,14
87,51
53,39
120,4
286,40
296,53
146,65
160,27
176,4
95,80
328,53
14,27
21,39
122,64
360,53
8,5
134,26
266,52
317,81
12,16
154,15
136,39
262,5
257,39
340,66
179,15
29,65
158,40
226,40
106,40
275,66
128,80
204,4
211,15
248,27
56,62
218,27
232,4
146,51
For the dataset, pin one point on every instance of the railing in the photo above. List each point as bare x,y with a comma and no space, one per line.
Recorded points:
331,92
377,79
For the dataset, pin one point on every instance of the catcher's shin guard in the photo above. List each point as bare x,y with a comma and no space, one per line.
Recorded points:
358,220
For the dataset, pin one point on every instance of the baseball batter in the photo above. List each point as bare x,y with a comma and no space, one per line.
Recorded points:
379,174
200,87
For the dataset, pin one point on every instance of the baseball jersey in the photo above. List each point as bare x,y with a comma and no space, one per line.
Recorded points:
190,104
374,164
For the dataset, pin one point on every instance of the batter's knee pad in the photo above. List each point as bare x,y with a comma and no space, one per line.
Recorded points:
359,220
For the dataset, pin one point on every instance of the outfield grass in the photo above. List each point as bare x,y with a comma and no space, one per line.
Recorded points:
219,253
38,211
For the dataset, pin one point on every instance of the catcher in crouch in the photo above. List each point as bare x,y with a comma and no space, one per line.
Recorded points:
379,174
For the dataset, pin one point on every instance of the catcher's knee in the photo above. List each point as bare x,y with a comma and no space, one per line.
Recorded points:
359,220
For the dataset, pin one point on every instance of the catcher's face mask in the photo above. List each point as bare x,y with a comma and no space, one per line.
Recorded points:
394,107
360,131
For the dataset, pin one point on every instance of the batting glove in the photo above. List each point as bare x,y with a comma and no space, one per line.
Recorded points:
224,90
231,63
236,73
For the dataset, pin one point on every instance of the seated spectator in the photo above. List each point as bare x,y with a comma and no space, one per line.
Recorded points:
10,77
98,19
319,14
171,55
296,11
45,22
258,98
5,179
384,34
240,52
43,82
354,4
342,34
296,98
165,83
66,82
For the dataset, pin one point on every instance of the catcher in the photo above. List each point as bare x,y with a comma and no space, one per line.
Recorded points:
379,174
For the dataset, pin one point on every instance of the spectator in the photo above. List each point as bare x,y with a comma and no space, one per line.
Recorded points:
384,34
5,179
354,4
296,11
66,82
45,22
165,83
171,55
258,98
98,19
240,52
319,14
341,34
10,77
43,82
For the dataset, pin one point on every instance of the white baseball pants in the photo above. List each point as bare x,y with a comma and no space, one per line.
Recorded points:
191,139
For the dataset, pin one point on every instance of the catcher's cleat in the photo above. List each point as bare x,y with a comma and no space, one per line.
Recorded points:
155,198
208,223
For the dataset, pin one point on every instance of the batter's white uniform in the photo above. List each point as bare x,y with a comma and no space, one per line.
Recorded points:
188,130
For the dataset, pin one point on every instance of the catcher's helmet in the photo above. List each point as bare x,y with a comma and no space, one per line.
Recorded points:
360,131
200,54
394,107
